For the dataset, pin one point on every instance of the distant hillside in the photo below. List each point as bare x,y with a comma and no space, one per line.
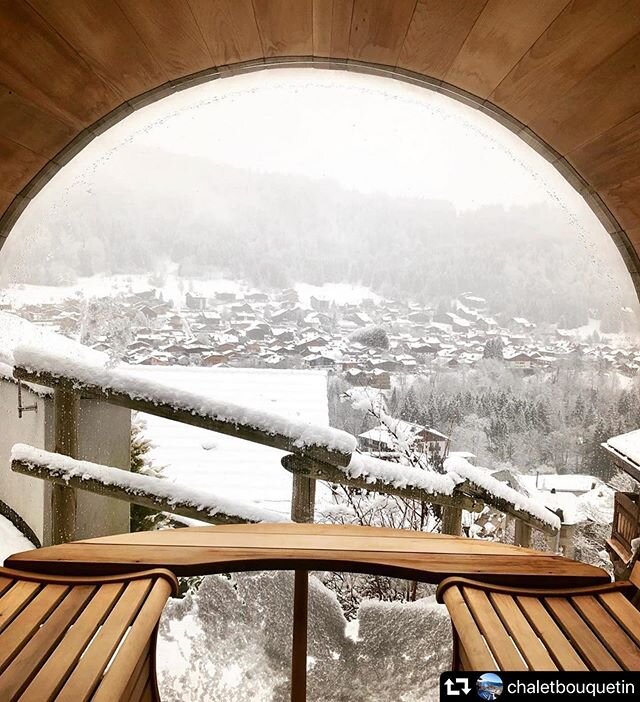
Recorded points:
275,230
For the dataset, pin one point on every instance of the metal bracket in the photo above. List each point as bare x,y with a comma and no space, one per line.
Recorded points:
21,408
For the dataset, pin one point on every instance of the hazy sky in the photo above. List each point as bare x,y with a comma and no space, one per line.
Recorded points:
366,132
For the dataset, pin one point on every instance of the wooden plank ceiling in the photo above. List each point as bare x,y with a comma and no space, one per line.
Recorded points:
565,74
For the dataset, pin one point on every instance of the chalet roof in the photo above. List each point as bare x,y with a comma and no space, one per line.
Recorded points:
625,449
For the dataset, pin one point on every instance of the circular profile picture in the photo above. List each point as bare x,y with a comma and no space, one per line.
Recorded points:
489,686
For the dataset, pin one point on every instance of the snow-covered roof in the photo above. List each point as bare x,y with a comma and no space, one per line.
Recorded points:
595,505
569,482
627,444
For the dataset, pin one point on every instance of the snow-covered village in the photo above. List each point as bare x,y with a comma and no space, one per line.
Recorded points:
317,384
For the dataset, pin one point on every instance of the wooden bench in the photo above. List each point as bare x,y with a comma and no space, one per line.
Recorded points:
80,638
506,628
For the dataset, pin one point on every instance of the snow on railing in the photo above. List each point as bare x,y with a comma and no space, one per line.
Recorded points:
496,492
401,476
122,386
323,449
145,490
462,485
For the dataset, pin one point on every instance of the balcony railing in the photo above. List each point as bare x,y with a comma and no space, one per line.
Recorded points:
626,525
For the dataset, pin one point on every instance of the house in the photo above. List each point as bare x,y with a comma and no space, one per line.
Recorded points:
195,302
320,361
419,317
214,359
522,360
521,324
392,433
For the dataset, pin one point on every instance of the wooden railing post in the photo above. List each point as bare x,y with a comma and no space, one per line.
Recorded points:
566,540
522,534
303,499
66,414
451,520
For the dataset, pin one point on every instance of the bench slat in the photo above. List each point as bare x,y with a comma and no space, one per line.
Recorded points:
22,628
117,677
59,665
5,584
627,616
138,679
14,600
476,649
502,646
25,665
141,680
86,677
576,629
556,642
621,647
148,693
529,644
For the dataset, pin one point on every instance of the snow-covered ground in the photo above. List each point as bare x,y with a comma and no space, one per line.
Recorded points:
230,467
11,540
173,287
340,293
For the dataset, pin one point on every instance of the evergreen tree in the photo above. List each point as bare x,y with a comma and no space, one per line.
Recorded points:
494,348
141,518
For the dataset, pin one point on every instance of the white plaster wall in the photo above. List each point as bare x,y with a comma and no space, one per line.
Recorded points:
24,495
104,436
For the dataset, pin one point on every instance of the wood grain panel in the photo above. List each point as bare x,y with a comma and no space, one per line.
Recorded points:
580,38
30,126
170,32
612,157
436,34
286,27
101,33
229,29
341,28
378,29
322,23
604,98
502,34
624,200
17,164
5,199
38,64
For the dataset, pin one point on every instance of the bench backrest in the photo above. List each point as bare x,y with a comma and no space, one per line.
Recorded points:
503,628
80,638
635,575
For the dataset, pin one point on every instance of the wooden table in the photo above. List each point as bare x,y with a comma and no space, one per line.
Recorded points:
222,549
302,547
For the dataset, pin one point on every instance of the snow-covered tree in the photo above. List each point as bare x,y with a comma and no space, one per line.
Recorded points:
231,639
108,320
374,336
142,518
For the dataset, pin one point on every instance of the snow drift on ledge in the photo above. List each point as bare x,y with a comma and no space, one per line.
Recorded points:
89,368
65,468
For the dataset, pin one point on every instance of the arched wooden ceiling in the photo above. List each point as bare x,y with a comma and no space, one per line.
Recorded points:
563,74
